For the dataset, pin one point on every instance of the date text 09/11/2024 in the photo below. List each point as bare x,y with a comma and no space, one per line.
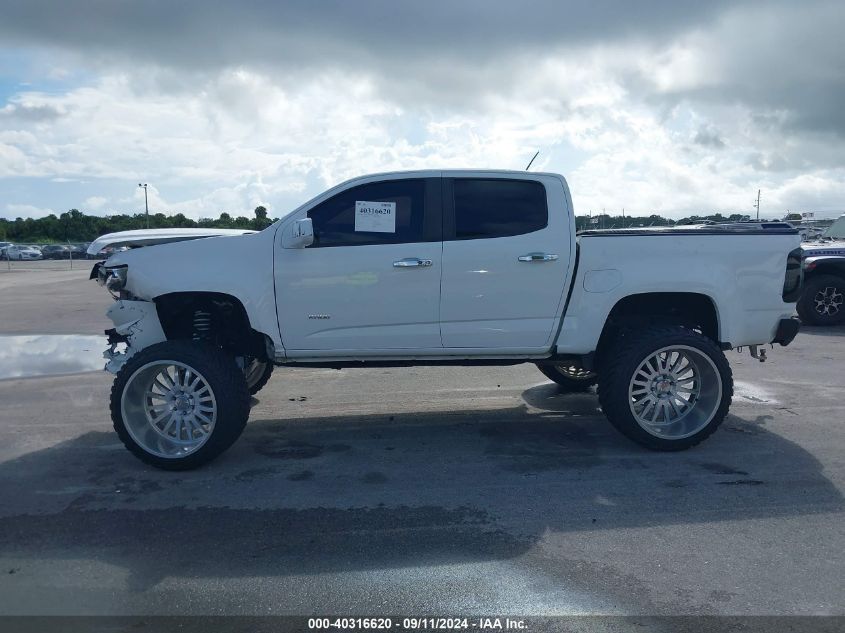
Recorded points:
416,624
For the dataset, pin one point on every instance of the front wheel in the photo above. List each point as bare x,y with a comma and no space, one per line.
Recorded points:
177,405
666,388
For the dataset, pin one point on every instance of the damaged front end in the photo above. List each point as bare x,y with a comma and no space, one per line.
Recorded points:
136,326
112,277
136,322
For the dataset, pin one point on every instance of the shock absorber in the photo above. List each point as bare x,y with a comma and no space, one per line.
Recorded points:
202,325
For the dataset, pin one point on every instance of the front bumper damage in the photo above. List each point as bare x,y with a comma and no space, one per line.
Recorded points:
136,325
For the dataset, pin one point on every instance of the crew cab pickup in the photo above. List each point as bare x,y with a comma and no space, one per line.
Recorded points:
439,267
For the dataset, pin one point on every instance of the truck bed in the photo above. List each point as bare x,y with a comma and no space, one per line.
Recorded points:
774,228
731,268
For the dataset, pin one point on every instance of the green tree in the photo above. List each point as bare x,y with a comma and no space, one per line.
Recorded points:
261,220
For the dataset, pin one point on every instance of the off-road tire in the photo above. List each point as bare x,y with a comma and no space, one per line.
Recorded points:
625,357
568,383
807,303
226,381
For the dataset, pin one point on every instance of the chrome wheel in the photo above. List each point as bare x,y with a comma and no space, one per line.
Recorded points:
675,392
828,301
574,373
168,408
253,372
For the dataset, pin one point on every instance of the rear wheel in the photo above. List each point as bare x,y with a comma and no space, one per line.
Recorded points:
257,373
666,388
822,301
569,377
177,405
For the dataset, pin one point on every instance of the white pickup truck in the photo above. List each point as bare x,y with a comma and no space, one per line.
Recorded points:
439,267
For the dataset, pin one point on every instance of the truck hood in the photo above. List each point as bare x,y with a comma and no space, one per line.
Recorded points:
149,237
820,249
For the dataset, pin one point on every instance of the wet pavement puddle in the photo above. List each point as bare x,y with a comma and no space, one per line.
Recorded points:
50,354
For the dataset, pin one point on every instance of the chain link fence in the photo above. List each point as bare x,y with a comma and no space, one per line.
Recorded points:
44,258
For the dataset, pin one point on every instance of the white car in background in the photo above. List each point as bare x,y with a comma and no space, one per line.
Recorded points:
17,252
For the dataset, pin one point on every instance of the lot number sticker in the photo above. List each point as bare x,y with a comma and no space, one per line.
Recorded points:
375,217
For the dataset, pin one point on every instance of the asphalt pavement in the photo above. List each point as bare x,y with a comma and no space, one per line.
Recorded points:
421,490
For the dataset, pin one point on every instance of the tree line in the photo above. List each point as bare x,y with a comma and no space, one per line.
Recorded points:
74,226
606,221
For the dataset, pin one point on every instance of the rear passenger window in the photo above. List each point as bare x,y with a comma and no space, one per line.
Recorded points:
497,208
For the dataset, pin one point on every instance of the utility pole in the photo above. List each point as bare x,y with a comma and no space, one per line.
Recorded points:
757,205
146,204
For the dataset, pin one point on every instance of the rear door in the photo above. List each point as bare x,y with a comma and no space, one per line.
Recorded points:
506,254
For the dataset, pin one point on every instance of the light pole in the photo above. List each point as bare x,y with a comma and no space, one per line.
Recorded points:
146,204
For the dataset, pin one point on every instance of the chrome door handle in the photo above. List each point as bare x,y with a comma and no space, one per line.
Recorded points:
409,262
537,257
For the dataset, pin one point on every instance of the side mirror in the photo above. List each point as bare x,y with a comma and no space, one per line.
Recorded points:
300,235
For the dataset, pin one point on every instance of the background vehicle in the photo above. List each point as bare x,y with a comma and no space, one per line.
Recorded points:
452,267
55,251
19,252
3,246
822,301
77,251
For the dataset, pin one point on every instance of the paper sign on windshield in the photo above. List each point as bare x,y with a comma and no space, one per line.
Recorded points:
375,217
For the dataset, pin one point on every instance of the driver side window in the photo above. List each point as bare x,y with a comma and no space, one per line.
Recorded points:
402,203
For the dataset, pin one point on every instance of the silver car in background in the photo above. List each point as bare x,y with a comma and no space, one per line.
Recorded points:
20,252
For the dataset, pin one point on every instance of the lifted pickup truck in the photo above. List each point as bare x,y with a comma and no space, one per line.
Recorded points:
440,267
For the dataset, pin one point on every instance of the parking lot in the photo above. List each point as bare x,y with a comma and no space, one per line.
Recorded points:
11,265
422,490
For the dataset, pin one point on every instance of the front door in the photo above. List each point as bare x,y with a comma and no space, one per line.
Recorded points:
371,279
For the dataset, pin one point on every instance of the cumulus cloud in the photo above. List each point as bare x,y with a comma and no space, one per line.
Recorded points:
95,202
25,211
653,106
30,111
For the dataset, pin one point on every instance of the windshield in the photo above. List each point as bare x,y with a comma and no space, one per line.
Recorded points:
837,229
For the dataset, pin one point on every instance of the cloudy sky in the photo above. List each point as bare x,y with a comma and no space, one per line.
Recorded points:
667,107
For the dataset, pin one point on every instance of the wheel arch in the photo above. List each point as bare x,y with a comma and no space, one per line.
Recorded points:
693,310
213,317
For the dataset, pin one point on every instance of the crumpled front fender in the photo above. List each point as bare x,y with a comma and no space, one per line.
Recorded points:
135,323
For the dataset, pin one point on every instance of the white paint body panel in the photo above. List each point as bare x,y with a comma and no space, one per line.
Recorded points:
138,322
240,266
511,310
353,298
742,274
151,237
490,299
373,307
